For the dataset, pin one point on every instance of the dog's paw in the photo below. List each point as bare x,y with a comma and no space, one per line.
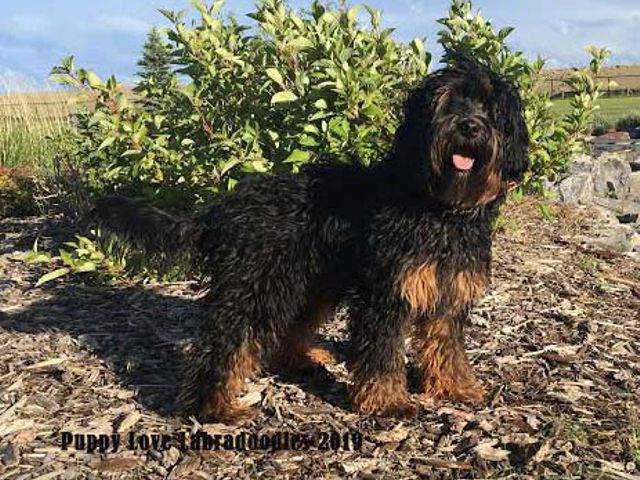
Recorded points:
400,410
473,395
320,356
470,392
232,415
398,406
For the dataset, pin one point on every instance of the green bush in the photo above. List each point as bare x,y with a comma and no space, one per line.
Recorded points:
628,122
600,125
297,88
17,192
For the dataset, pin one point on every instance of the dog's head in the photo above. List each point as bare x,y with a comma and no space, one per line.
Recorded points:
464,135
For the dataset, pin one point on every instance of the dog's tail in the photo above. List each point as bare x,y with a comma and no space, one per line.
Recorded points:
164,239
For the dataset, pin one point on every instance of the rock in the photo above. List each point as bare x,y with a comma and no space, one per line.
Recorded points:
611,176
581,163
634,186
628,217
613,137
609,217
621,238
606,176
625,211
9,455
578,188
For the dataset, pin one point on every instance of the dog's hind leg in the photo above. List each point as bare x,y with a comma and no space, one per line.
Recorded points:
228,353
296,350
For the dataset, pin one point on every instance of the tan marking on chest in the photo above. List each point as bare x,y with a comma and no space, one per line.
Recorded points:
468,286
419,287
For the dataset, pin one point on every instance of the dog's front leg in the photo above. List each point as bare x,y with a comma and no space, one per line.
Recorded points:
445,370
378,328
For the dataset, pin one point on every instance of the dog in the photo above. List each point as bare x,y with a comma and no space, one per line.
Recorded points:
404,244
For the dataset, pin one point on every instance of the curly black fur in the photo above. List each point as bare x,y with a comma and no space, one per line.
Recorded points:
404,244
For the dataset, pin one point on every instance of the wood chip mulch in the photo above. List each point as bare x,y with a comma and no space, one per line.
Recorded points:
556,343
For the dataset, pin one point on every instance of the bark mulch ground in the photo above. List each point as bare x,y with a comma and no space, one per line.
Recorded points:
556,343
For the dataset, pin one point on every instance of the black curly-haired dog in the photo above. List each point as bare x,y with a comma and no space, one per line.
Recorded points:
405,244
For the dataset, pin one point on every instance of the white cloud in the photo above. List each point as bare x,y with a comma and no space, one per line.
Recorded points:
122,24
25,25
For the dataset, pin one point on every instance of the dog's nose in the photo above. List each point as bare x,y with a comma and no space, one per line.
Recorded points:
470,128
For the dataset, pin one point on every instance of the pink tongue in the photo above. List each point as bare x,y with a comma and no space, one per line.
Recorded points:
463,163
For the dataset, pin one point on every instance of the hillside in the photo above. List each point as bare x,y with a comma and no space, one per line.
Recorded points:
626,77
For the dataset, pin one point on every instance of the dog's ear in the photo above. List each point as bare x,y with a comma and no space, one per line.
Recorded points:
419,109
510,118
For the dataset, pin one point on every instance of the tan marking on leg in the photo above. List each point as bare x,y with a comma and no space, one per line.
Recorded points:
321,356
445,370
222,403
296,351
419,288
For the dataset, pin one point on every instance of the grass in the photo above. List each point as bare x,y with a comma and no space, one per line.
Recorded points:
611,108
27,120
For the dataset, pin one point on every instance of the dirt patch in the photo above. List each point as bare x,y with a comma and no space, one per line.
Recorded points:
556,344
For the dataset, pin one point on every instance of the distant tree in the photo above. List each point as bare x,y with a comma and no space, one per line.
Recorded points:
155,62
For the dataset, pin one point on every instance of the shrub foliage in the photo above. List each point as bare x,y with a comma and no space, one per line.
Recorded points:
323,85
628,123
296,88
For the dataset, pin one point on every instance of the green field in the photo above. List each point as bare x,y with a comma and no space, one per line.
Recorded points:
611,109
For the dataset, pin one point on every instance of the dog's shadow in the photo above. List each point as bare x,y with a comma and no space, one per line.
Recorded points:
139,332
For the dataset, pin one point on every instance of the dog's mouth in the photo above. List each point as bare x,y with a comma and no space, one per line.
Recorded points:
463,163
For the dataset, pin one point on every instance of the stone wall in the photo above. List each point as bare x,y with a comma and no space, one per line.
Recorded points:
609,183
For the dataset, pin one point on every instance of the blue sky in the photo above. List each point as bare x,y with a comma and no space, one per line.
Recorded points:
106,36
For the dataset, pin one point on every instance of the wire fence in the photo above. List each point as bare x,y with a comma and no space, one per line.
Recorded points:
612,86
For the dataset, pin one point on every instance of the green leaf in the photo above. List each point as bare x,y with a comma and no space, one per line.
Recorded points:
418,46
131,153
274,74
94,80
505,32
60,272
298,156
321,104
228,165
37,257
308,141
107,142
372,111
66,257
353,13
283,97
85,266
301,43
